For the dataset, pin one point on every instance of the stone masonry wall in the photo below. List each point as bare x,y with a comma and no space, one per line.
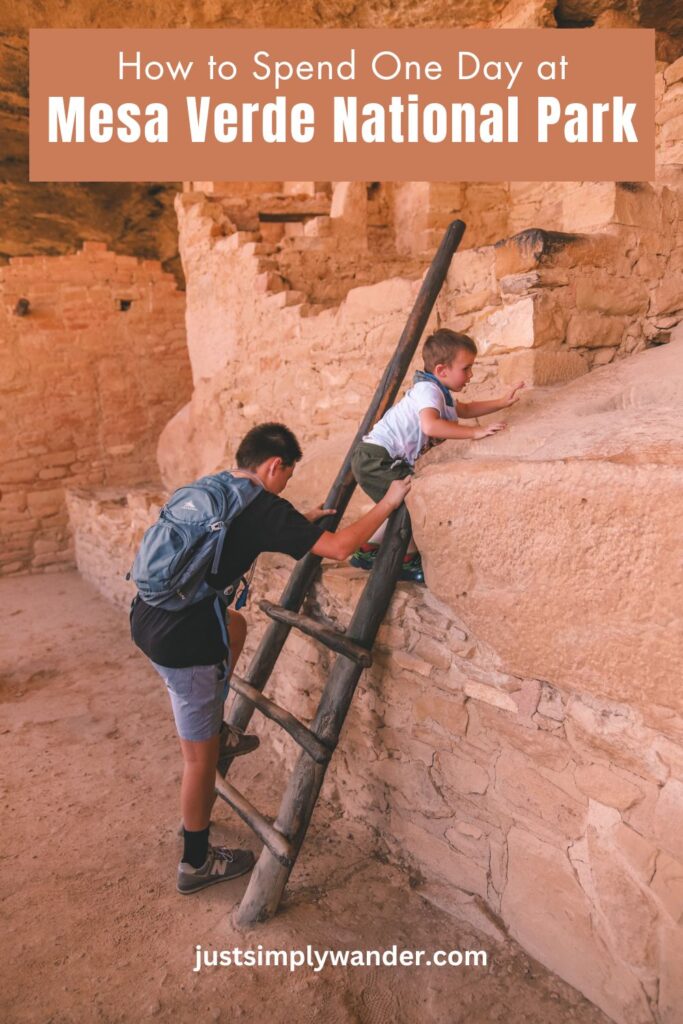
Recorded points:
90,375
543,306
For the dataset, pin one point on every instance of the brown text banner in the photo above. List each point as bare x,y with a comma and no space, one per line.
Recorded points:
352,104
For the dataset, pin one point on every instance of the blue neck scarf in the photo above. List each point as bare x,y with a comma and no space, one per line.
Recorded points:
423,375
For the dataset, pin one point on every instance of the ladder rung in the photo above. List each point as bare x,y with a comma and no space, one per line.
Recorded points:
278,844
296,729
327,635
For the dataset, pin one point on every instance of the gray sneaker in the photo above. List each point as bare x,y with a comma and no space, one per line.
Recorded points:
221,865
234,743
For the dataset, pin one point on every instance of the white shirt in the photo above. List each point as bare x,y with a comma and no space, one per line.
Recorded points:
399,430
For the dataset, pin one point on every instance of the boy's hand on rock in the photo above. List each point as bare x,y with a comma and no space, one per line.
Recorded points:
317,513
511,396
397,491
492,428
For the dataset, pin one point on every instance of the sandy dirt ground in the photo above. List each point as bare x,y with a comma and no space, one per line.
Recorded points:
94,929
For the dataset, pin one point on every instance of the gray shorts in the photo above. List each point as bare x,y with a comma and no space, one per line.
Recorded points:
197,695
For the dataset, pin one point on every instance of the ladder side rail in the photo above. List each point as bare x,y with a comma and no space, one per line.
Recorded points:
365,622
270,876
304,572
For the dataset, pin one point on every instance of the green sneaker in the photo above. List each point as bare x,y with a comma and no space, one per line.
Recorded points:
364,559
221,865
412,571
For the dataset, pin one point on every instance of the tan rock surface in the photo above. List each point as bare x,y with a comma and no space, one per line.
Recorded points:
555,539
551,916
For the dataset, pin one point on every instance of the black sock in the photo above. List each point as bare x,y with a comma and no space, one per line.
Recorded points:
196,847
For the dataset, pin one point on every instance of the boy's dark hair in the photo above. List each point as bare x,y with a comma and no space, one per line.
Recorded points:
442,345
263,442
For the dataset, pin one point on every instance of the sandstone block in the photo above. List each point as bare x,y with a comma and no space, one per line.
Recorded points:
411,663
412,786
20,471
450,714
527,250
463,906
506,329
526,699
350,209
590,206
490,695
550,703
605,293
557,515
670,974
536,799
488,728
473,271
411,205
668,818
269,281
593,331
56,558
547,911
384,299
45,503
459,774
601,783
435,653
639,853
436,859
668,296
627,907
616,732
602,356
667,885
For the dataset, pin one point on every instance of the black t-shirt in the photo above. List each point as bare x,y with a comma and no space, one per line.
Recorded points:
193,636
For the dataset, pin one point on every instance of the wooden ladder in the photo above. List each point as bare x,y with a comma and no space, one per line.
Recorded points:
284,837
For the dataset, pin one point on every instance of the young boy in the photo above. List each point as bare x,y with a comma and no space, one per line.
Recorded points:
425,416
188,648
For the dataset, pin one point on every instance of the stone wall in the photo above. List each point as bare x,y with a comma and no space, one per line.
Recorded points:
543,306
90,374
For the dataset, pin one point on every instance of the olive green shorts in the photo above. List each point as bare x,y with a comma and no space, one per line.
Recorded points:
374,469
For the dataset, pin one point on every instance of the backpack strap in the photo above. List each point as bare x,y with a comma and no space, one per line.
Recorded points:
221,540
255,479
220,609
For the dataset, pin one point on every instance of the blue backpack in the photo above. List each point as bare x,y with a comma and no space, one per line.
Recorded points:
186,542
